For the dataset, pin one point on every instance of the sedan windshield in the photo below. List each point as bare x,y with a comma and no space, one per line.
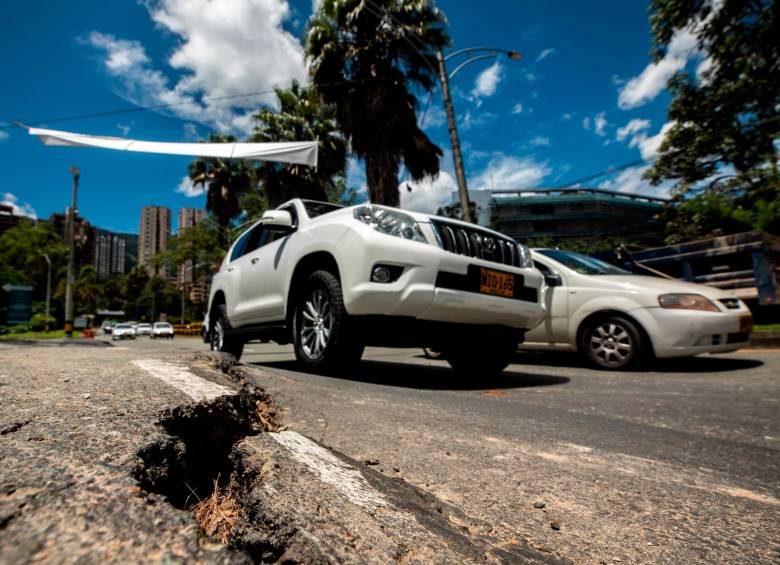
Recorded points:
314,208
582,264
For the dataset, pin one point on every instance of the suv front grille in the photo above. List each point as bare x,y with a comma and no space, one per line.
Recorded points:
474,242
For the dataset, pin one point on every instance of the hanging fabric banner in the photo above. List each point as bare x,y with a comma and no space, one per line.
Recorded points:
296,152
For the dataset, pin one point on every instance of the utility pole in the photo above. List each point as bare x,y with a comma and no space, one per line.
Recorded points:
472,54
48,291
460,173
71,229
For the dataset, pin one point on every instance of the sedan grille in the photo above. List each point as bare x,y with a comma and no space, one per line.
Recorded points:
730,303
474,242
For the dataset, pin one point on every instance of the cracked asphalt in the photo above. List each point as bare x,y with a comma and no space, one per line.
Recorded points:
675,464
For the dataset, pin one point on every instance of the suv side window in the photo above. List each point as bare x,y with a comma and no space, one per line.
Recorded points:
238,248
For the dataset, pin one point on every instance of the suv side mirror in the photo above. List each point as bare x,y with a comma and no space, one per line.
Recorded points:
553,279
277,220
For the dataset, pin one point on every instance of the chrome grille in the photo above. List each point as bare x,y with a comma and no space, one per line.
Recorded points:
477,243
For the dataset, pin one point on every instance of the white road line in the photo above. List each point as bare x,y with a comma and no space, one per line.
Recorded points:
179,377
332,470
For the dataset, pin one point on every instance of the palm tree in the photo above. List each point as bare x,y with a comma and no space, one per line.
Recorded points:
225,180
368,57
301,116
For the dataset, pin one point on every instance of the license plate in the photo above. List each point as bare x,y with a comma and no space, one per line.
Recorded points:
495,282
746,324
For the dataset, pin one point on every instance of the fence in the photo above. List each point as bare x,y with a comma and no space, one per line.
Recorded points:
188,329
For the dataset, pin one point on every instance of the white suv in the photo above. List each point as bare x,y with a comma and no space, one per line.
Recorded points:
332,280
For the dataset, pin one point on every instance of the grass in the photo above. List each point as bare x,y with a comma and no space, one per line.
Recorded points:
766,328
217,515
54,334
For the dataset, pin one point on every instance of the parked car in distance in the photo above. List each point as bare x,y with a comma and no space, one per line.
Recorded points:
122,331
143,329
616,318
107,325
334,279
162,329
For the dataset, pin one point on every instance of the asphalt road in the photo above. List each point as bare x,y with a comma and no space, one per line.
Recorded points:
675,464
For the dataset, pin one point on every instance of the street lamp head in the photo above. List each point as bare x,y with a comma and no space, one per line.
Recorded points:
74,170
514,55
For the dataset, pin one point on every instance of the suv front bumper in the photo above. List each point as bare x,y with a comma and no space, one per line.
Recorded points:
435,285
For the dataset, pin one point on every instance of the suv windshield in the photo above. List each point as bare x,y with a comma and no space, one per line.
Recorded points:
314,208
582,264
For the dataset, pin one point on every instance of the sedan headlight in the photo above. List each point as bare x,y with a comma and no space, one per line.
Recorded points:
390,222
525,256
687,302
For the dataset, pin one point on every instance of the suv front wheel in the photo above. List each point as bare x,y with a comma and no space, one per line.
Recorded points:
321,331
221,339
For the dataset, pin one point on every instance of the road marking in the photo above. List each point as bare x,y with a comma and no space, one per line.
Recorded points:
179,377
330,469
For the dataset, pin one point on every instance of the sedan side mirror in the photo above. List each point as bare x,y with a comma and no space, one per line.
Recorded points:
277,220
553,279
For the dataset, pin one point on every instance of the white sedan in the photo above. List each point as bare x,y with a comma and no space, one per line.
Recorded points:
123,331
162,329
616,318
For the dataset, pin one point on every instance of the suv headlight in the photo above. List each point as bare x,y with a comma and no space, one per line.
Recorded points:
525,256
390,222
687,302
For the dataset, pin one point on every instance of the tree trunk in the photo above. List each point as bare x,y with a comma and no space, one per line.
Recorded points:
382,178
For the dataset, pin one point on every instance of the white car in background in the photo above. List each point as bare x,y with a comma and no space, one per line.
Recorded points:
616,318
162,330
143,329
123,331
332,280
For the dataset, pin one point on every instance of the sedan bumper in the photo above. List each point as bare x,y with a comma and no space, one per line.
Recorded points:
681,333
434,284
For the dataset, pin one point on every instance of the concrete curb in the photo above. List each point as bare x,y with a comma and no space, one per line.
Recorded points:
764,340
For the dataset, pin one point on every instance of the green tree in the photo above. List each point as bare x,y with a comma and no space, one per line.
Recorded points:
225,180
301,116
455,210
368,58
726,121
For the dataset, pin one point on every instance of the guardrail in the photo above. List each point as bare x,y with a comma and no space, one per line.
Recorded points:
188,329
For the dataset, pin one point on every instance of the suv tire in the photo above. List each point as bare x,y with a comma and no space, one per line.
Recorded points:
613,343
482,357
221,338
321,326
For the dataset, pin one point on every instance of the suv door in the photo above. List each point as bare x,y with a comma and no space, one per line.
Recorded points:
236,271
261,286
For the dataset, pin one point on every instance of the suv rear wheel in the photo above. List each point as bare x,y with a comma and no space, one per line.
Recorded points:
482,357
221,339
321,332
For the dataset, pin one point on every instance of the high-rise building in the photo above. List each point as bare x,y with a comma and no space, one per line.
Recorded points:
110,253
155,230
188,218
7,218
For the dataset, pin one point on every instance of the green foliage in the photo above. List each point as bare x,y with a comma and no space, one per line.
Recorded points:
225,180
579,245
301,116
455,211
368,59
725,122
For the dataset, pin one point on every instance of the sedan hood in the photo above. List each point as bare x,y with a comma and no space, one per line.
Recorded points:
662,286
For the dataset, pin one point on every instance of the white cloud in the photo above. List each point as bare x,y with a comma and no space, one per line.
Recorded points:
223,49
630,181
23,210
488,80
631,128
3,135
652,80
648,146
434,117
517,108
544,54
190,190
124,128
586,122
540,140
191,132
567,116
599,123
356,176
469,120
428,195
508,172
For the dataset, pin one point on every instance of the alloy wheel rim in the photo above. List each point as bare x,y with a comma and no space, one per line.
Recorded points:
611,345
316,324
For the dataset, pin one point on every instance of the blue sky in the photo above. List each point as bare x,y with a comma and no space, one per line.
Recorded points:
584,98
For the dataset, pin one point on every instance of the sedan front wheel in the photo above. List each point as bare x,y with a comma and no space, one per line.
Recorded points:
612,343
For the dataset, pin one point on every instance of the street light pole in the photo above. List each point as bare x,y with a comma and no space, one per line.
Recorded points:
48,291
445,77
71,254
